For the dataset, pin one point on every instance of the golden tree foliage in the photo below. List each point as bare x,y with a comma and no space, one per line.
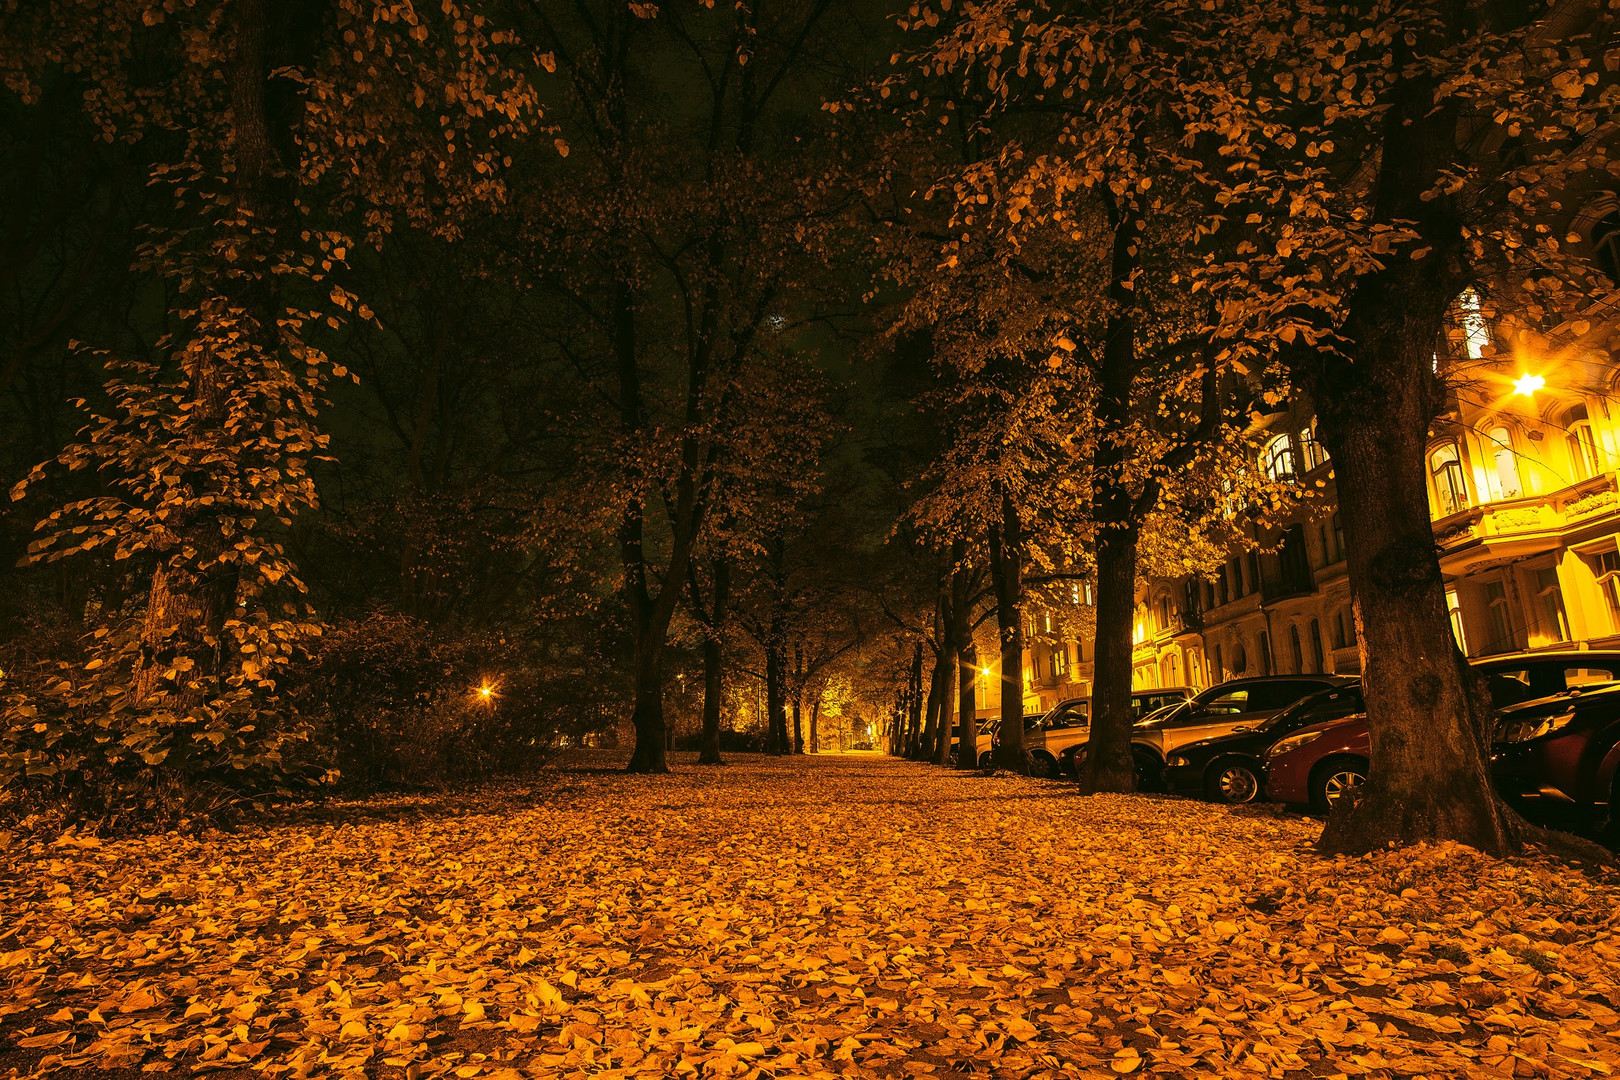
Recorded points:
291,122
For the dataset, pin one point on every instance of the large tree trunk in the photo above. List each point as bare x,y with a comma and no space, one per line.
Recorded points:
914,708
967,697
776,692
193,593
1007,578
714,676
815,731
924,749
1108,752
1429,718
647,715
798,722
940,752
1430,721
1109,765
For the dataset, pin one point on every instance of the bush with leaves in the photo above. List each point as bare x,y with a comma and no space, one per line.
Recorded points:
395,700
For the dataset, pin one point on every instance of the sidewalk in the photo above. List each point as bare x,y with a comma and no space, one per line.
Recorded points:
849,915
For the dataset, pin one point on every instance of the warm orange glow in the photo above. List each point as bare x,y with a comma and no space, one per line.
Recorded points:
1528,384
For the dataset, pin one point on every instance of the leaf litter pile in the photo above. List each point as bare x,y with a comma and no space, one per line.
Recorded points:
852,916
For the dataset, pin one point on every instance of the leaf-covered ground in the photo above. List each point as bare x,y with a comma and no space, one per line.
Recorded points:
845,915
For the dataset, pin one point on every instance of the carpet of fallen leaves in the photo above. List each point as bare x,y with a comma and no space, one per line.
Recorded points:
852,916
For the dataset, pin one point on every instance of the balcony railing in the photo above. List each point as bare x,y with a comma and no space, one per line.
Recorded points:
1281,583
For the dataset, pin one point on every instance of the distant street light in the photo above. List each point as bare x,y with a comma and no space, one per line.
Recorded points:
1527,385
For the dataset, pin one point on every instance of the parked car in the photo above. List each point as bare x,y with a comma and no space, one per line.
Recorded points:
1229,768
1564,750
1234,705
983,741
1067,724
1551,736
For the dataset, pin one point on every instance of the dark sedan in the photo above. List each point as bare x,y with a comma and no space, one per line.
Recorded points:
1565,753
1228,768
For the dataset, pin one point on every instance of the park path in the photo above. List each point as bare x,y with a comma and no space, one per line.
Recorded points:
849,915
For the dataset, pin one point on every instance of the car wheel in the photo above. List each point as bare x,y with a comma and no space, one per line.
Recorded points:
1232,782
1042,765
1337,779
986,760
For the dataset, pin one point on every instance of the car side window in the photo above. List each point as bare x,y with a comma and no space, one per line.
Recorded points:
1228,704
1337,707
1509,686
1067,717
1587,677
1281,695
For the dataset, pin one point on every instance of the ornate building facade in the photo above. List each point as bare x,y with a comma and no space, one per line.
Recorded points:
1522,481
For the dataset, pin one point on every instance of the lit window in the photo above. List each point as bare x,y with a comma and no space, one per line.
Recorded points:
1311,451
1503,477
1555,621
1606,565
1277,459
1476,331
1586,458
1501,619
1450,489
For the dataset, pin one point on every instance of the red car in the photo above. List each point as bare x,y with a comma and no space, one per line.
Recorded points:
1319,765
1557,737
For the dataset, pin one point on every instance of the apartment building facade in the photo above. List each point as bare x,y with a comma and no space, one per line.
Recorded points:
1523,494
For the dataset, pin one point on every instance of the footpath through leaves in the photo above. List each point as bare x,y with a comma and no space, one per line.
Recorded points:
842,916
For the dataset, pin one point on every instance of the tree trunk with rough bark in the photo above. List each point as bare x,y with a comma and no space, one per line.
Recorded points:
798,723
1109,766
967,707
714,676
1007,580
776,692
192,592
1429,718
935,708
914,708
940,752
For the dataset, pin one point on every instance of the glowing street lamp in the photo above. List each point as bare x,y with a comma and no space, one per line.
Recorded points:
1527,384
